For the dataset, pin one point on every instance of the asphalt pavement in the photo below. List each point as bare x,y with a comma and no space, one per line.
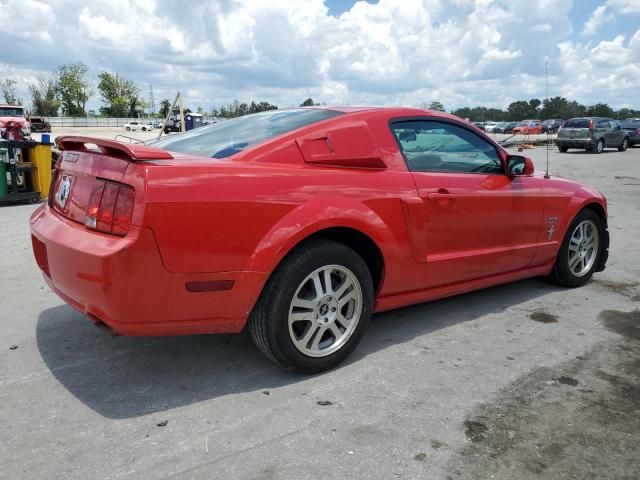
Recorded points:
526,380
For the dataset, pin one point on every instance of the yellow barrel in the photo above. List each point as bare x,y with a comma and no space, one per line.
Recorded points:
40,157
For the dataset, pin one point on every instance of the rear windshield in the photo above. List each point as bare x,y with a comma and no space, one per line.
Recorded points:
577,123
229,137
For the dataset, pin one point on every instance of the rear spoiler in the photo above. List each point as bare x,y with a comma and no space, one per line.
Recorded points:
131,152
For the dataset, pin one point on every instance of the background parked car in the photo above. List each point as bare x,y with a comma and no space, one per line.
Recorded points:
137,126
594,134
506,127
480,125
527,127
632,127
490,127
552,125
39,124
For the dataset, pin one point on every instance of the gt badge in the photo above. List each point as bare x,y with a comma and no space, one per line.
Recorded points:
552,221
63,192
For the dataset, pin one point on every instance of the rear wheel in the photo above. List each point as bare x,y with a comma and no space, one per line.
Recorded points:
599,147
314,309
128,129
581,250
563,149
624,146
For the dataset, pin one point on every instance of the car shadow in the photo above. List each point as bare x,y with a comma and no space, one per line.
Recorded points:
124,377
584,152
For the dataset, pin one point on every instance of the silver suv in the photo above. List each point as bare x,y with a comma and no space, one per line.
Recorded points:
593,134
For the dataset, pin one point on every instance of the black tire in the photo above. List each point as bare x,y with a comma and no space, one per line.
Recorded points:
563,149
128,129
625,145
167,130
268,322
562,273
144,129
598,147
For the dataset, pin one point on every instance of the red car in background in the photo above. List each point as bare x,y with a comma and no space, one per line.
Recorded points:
528,127
299,224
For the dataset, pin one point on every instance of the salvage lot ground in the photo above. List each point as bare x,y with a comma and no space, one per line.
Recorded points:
520,381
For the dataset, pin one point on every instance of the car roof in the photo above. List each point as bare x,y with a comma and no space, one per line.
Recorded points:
390,111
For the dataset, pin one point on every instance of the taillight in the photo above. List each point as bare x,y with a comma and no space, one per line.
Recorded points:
637,132
592,125
110,208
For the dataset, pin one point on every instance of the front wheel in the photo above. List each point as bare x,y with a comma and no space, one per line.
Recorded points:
128,129
581,250
624,146
314,309
563,149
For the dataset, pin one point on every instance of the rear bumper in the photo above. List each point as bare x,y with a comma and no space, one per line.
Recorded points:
123,283
634,139
574,142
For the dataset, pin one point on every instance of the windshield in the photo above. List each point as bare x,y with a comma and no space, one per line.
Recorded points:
577,123
11,112
226,138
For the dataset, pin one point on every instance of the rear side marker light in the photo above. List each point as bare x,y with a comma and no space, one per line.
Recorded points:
110,208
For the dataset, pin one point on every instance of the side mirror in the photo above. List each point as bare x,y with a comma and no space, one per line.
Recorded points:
517,165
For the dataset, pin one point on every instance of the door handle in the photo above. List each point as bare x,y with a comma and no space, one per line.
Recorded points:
440,196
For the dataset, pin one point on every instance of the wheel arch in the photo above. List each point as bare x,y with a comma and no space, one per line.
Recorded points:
349,222
358,241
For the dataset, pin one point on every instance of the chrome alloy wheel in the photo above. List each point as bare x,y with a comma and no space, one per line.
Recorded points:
583,248
325,310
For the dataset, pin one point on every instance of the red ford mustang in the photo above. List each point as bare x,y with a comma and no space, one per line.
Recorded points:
301,223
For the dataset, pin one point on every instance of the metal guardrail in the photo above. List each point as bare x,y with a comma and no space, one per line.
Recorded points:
97,121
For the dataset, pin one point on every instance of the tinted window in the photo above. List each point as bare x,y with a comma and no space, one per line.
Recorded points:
577,123
430,146
226,138
603,124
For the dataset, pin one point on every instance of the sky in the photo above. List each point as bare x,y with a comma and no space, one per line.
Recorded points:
385,52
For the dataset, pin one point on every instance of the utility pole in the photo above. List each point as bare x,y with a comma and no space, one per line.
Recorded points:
152,103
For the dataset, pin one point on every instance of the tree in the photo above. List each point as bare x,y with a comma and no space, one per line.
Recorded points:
74,88
165,105
121,96
600,110
560,107
436,106
307,103
44,100
200,110
9,92
237,109
522,109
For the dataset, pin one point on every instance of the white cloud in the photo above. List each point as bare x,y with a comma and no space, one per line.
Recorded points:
599,17
460,52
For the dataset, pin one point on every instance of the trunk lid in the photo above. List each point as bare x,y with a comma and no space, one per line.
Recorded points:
84,163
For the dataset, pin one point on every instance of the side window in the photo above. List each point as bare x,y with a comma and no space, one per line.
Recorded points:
432,146
614,124
603,124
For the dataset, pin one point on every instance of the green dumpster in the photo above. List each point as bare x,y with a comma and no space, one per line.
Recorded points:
3,178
